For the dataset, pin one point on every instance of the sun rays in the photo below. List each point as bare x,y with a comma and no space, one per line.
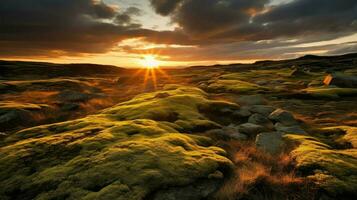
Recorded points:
150,72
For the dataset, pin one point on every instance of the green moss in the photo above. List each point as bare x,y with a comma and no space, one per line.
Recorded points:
235,86
180,105
334,170
102,157
330,92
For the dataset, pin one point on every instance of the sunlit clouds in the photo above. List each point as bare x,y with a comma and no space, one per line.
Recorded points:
177,32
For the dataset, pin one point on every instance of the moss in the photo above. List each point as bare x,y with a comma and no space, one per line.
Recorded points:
180,106
102,157
334,170
330,92
235,86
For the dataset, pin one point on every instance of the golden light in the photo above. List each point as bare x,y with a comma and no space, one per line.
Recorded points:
150,62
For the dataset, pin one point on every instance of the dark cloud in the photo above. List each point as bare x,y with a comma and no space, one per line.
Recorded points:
254,20
165,7
32,27
219,29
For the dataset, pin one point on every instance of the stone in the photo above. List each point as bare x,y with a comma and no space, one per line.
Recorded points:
250,129
260,120
243,112
252,100
238,136
270,142
341,80
283,116
262,109
295,129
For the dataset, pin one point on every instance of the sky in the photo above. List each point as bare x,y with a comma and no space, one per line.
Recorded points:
175,32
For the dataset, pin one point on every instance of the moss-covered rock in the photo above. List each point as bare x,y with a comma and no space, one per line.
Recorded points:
183,107
235,86
333,170
118,154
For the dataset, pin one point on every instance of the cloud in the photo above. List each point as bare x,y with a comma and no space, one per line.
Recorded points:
254,20
211,29
34,27
164,7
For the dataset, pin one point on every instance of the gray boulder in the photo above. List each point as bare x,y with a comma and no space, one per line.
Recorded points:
261,120
295,129
243,112
262,109
270,142
228,132
284,117
341,80
250,129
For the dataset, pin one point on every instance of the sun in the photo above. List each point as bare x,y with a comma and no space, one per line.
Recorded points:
150,62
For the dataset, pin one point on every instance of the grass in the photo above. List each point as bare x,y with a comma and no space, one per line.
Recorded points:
258,175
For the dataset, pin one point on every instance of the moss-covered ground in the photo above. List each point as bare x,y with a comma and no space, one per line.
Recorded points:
107,133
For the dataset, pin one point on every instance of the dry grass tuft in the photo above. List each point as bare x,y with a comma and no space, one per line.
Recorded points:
259,175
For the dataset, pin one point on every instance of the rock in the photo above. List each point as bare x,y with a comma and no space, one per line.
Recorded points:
262,109
284,117
296,129
243,112
341,80
162,95
270,142
261,120
228,131
252,100
250,129
239,136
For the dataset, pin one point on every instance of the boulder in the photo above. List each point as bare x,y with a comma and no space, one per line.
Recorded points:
270,142
243,112
260,120
284,117
250,129
262,109
341,80
228,132
295,129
